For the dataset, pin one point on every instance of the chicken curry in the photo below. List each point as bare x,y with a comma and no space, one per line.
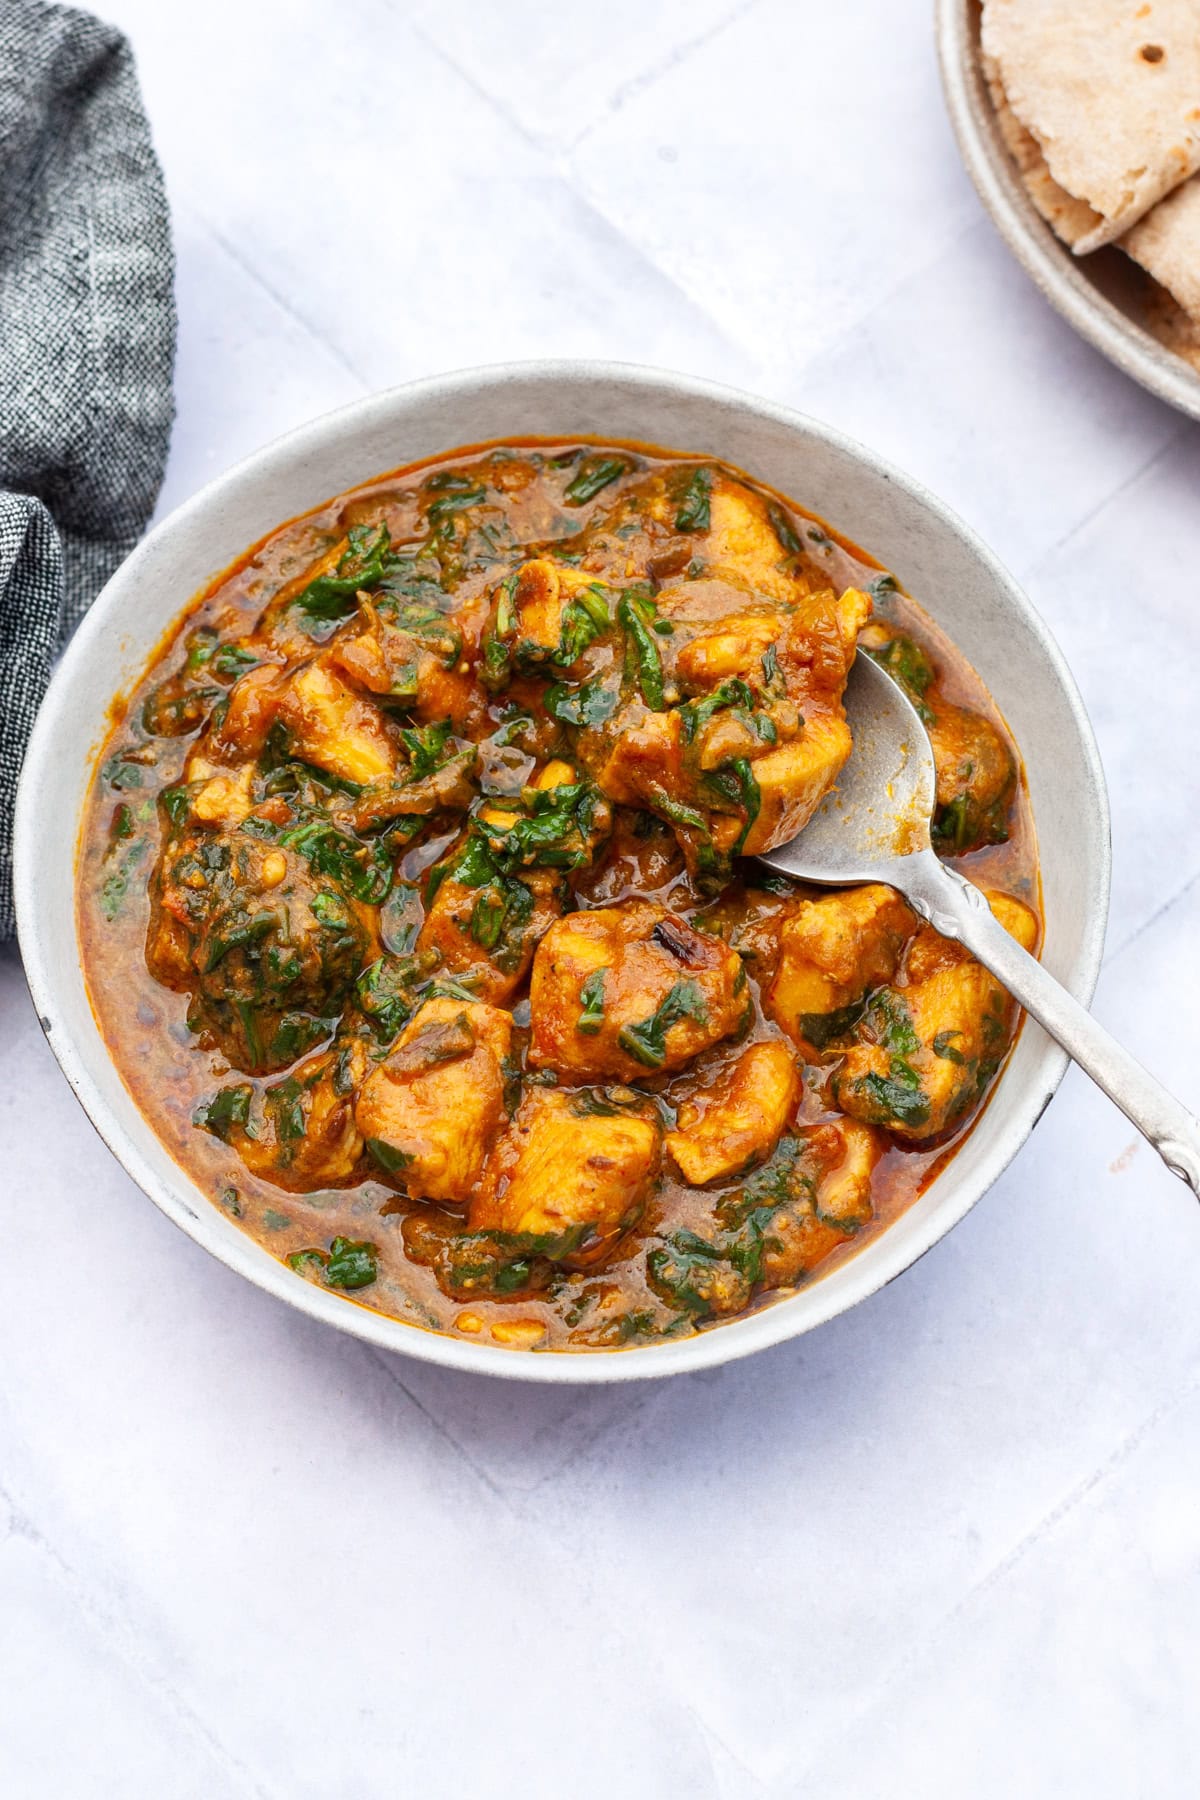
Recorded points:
419,907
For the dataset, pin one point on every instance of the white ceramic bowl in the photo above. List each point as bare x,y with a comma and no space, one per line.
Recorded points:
1101,295
933,554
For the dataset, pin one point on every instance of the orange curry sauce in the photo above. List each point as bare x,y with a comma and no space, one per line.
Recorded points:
496,648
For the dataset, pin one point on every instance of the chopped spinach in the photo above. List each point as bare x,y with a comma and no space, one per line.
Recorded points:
694,512
646,1042
351,1264
591,999
643,659
595,474
784,530
589,704
228,1107
329,599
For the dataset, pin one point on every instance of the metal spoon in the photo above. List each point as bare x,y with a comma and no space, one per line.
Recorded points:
874,826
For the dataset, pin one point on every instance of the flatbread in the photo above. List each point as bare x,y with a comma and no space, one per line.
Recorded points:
1072,219
1110,90
1172,327
1167,244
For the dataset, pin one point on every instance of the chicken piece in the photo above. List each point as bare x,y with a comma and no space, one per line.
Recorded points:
542,619
487,935
383,660
831,951
737,1120
335,728
644,764
421,658
650,765
832,1200
486,929
743,543
793,780
430,1112
539,597
813,1194
306,1137
734,647
570,1168
763,750
930,1044
620,991
976,777
452,694
252,710
266,949
223,798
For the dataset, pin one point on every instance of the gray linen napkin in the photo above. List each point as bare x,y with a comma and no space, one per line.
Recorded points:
87,344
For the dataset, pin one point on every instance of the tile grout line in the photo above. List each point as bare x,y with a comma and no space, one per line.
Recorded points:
1172,442
285,306
511,1504
558,164
85,1600
381,1360
911,1659
1148,924
674,59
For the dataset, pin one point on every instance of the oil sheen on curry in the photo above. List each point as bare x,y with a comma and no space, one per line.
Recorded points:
419,909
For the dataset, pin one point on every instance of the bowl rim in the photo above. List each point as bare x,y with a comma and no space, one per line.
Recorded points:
1045,258
768,1325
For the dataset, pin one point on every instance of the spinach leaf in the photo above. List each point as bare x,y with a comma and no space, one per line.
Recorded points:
643,659
363,871
694,714
591,997
347,1264
228,1107
501,911
736,781
426,745
285,1103
588,705
329,599
595,474
694,1275
549,828
896,1097
455,494
234,660
246,931
694,508
908,666
473,1264
784,530
646,1042
351,1264
388,1156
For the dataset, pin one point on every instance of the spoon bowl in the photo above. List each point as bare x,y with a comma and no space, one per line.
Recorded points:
874,826
879,812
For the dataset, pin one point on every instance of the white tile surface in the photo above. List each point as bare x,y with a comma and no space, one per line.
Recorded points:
951,1544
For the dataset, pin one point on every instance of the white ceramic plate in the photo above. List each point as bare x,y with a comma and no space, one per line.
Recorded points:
932,553
1102,295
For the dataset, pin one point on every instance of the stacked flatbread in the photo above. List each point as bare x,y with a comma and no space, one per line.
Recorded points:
1098,103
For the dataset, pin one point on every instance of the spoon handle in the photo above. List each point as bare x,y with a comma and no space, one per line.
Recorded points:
960,911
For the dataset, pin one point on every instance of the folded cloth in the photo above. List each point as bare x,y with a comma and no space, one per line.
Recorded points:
87,345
